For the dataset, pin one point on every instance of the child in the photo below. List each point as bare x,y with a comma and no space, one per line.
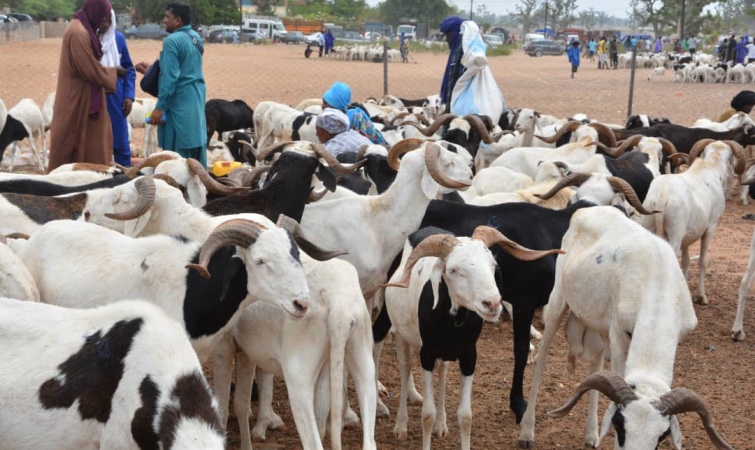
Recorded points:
573,54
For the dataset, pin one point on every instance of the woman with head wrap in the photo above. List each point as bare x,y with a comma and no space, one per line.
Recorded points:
742,102
338,97
115,53
81,129
451,27
332,128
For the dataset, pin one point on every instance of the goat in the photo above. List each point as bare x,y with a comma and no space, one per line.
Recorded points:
691,203
121,376
643,309
223,115
140,109
23,121
657,72
450,289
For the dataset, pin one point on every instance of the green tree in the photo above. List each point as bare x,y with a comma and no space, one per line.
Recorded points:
525,14
48,9
431,12
265,7
348,9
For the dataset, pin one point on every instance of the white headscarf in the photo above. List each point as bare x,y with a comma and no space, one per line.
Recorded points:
110,56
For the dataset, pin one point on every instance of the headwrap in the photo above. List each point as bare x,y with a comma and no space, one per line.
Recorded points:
110,57
744,98
90,15
452,27
333,121
338,96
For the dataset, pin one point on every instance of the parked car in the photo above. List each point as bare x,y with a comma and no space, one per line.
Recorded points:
146,31
492,40
223,35
542,47
21,17
354,37
293,37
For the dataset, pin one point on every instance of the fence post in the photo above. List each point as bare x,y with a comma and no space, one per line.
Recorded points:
631,81
385,68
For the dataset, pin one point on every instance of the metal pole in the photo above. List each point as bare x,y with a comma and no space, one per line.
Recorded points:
471,6
545,27
681,33
631,81
385,68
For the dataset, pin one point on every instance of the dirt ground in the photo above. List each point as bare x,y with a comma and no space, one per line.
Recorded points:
707,360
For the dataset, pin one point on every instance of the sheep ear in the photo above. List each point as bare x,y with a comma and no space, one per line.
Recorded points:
196,194
435,278
676,432
605,426
429,187
134,228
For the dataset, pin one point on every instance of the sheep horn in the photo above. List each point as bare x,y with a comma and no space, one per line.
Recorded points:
476,123
439,121
736,147
362,151
432,157
681,400
627,143
698,148
315,195
152,161
316,252
168,179
196,168
249,178
270,149
334,163
250,146
437,245
605,131
568,127
400,148
560,164
574,179
240,232
145,186
17,236
398,116
501,134
668,147
610,384
620,185
489,236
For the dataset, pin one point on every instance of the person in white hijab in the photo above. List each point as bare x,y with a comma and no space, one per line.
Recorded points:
115,54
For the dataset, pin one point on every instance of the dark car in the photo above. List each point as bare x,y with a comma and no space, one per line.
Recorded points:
223,36
543,47
146,31
21,17
293,37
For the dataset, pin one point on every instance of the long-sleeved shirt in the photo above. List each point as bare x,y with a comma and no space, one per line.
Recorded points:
573,54
182,93
348,141
125,89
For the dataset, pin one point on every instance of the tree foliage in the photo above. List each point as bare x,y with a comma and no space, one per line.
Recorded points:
431,12
43,9
525,14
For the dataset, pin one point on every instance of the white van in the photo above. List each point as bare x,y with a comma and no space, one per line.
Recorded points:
264,28
533,37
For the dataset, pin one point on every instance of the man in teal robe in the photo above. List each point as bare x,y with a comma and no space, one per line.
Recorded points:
180,103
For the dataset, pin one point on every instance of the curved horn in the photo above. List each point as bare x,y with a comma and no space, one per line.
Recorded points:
439,121
489,236
698,148
681,400
399,116
334,163
315,195
668,147
362,151
212,185
168,179
620,185
627,143
270,149
145,186
568,127
316,252
737,149
240,232
152,161
432,161
560,165
683,156
256,173
400,148
437,245
251,148
605,131
476,123
17,236
608,383
574,179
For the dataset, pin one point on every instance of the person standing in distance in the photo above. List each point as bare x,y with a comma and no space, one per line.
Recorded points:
182,89
81,129
573,54
119,103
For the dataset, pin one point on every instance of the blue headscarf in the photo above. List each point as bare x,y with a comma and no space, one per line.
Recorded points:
451,26
338,96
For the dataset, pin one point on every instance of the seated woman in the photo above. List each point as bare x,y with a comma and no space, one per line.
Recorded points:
332,128
338,97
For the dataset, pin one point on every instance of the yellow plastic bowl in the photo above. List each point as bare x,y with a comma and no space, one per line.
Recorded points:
221,168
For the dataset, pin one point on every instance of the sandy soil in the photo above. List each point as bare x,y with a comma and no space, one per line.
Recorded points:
707,361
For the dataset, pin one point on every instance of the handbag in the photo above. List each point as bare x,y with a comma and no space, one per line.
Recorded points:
151,79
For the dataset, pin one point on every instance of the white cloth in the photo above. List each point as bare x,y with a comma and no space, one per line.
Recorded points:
333,121
110,56
750,51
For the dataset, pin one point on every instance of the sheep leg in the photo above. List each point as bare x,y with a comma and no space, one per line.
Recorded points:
338,401
45,159
266,417
428,409
301,371
737,332
242,397
464,413
685,262
702,265
12,158
382,410
592,439
222,365
362,370
440,430
404,356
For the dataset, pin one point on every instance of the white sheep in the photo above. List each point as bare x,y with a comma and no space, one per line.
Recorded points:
737,329
140,109
118,377
15,279
644,309
27,112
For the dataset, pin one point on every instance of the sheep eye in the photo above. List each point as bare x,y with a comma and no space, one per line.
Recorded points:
259,262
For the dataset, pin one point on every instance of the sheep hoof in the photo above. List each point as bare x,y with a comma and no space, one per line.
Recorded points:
382,410
350,419
441,430
738,336
400,434
702,300
415,398
525,443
